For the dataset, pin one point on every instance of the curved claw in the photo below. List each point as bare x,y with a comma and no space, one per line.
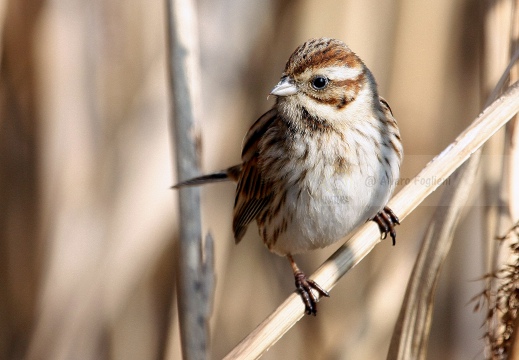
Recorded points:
304,287
386,220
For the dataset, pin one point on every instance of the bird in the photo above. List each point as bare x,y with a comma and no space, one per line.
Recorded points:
321,162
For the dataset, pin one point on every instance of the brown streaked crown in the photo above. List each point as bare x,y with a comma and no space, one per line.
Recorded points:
321,52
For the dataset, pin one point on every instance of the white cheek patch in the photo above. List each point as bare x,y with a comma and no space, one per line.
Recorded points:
339,73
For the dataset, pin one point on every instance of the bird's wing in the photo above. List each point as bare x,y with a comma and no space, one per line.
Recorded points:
394,141
252,192
385,106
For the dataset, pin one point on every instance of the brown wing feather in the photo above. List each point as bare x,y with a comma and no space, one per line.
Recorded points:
394,141
252,192
385,107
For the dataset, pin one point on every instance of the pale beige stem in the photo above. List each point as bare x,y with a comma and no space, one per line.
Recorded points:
194,274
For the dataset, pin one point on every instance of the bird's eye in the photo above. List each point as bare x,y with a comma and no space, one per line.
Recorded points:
319,82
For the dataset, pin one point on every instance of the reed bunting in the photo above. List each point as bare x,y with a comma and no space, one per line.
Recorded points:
321,162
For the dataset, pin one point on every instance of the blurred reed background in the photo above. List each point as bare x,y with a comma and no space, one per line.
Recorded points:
87,219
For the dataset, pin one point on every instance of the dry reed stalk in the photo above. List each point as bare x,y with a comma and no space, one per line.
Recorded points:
363,241
494,58
194,275
496,54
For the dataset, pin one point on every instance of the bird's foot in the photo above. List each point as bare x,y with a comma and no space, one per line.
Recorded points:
386,221
304,287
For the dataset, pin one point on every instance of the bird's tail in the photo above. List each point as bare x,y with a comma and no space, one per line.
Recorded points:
231,173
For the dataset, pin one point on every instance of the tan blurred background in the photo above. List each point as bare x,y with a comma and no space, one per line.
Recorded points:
87,219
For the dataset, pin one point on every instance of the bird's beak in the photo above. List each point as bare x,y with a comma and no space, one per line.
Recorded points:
285,87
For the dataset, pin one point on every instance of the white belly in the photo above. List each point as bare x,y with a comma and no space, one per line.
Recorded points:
330,209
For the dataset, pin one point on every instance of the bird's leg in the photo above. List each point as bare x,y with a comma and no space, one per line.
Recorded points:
304,287
386,221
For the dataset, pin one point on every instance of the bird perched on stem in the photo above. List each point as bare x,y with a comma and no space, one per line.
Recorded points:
321,162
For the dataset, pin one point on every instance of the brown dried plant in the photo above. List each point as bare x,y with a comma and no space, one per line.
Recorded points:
501,297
